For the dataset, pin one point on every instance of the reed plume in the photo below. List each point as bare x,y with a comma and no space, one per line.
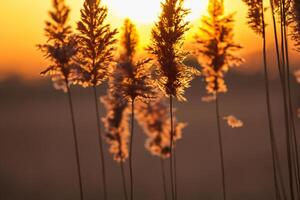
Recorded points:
154,118
117,128
296,24
60,49
96,42
166,46
133,80
116,125
216,49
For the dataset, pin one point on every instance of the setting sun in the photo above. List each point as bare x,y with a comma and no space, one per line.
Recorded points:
146,12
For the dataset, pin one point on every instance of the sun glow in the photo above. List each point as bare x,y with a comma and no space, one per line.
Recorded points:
147,11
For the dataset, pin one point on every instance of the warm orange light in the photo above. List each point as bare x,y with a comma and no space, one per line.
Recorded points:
147,11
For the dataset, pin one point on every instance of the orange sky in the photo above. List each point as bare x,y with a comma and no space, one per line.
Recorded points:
22,28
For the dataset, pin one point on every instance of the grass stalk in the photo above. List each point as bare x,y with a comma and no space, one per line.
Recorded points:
171,149
130,152
175,172
163,172
269,110
75,140
290,106
281,181
123,180
220,143
103,170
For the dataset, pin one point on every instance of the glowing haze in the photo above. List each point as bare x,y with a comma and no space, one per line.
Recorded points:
22,24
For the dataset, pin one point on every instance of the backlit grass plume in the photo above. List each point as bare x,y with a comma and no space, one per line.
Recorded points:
134,74
96,42
133,79
296,24
216,47
60,49
116,123
154,118
166,46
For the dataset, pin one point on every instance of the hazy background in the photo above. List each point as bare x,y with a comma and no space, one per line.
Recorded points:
37,152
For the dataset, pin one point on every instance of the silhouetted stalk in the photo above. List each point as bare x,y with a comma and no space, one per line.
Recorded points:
123,180
164,178
292,119
220,142
100,144
282,87
130,152
288,146
276,39
175,173
171,148
281,181
75,139
268,102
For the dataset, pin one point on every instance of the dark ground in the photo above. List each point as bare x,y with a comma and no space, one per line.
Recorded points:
37,154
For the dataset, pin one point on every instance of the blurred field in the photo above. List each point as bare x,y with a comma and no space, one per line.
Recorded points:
37,159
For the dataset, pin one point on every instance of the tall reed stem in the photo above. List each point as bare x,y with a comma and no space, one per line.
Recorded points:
171,148
290,105
75,140
220,142
130,152
269,112
164,178
97,107
123,180
282,88
175,172
286,106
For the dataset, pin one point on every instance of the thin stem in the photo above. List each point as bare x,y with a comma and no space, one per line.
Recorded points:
292,120
276,39
220,147
175,172
164,178
75,140
282,87
97,107
171,148
123,180
269,112
130,151
288,135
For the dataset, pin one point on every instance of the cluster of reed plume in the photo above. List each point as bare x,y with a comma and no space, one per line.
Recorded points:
144,89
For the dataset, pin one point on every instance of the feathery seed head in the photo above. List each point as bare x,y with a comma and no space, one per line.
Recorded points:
155,121
166,46
61,47
131,77
116,126
96,42
217,47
